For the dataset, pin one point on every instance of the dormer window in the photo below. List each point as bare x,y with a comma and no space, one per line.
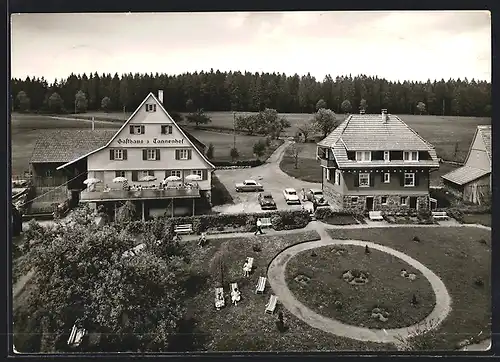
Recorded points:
410,156
363,156
387,156
150,107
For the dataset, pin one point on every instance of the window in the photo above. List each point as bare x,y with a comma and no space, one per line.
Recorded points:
328,174
383,200
387,177
183,154
410,155
337,177
173,173
409,179
387,156
151,155
119,173
166,129
364,179
404,200
147,173
48,173
137,129
198,172
118,154
150,107
363,156
354,199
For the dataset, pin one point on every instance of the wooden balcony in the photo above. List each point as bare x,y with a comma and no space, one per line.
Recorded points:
327,163
101,194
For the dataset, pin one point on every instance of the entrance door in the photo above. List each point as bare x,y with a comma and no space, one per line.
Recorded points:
413,202
369,203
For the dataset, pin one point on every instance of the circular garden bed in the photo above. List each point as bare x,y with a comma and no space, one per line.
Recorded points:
360,286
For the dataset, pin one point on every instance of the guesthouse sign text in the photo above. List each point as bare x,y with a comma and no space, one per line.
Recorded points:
156,141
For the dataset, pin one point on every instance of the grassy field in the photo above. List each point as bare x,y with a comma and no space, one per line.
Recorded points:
25,130
246,327
450,253
385,288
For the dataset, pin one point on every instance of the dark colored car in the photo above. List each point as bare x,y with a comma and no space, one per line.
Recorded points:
266,201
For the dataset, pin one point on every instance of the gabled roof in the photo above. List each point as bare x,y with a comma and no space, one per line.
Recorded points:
189,138
65,145
484,131
464,175
368,132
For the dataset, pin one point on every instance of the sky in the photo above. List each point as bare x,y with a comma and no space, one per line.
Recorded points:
412,45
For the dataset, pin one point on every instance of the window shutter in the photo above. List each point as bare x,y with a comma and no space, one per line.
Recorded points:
204,175
402,179
144,155
190,152
135,176
158,154
131,129
177,156
356,179
169,129
371,179
142,130
416,179
382,179
163,131
124,154
111,154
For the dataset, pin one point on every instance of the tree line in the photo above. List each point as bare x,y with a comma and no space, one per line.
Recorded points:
246,91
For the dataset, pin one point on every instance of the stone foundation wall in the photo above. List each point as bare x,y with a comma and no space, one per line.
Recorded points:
332,196
392,205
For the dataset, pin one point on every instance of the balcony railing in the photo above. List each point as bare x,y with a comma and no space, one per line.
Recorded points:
101,193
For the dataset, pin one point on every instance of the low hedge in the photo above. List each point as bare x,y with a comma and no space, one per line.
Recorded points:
458,213
239,163
323,213
281,220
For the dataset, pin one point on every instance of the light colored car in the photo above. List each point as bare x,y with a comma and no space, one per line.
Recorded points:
249,185
291,196
316,195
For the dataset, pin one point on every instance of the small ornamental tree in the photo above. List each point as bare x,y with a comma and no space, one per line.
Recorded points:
234,154
259,148
210,151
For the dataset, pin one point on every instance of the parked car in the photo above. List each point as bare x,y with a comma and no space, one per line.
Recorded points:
266,201
249,185
316,195
291,196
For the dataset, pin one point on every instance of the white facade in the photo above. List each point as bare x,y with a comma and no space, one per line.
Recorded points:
150,142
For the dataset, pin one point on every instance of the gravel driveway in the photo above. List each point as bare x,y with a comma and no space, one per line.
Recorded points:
270,176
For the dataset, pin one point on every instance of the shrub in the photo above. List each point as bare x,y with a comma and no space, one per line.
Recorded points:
197,226
257,248
277,222
479,282
251,224
482,241
251,163
416,238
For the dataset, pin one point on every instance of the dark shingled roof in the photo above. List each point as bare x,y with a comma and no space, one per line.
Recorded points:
65,145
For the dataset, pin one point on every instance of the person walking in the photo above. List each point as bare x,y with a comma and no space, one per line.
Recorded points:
259,227
303,194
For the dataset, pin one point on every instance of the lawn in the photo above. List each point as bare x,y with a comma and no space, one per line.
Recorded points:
450,253
246,327
327,293
25,130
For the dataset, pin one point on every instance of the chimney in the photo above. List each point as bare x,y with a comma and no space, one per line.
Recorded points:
384,115
93,124
160,96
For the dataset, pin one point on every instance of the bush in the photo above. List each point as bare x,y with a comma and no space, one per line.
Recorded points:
251,163
416,238
135,227
197,226
257,248
251,224
479,282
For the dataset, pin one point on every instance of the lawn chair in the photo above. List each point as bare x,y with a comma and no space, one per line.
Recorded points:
248,266
271,305
235,293
261,285
76,336
219,298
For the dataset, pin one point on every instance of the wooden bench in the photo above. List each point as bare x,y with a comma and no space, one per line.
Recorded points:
76,336
266,222
376,215
134,251
183,229
271,305
219,298
439,215
261,285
